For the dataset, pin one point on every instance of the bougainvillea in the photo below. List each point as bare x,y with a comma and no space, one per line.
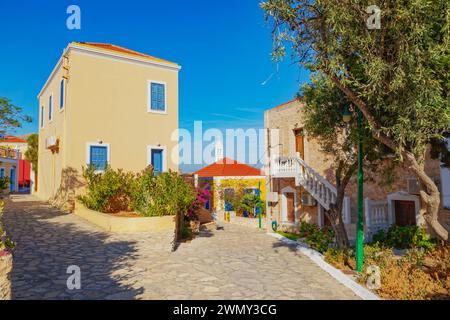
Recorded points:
203,196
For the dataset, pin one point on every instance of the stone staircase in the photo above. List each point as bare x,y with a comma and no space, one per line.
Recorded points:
320,188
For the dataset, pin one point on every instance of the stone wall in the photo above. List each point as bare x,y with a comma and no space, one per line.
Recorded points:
5,277
304,213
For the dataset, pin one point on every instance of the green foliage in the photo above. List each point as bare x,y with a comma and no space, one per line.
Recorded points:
6,244
404,238
113,191
249,202
401,71
4,183
109,191
10,116
317,238
186,232
32,151
165,194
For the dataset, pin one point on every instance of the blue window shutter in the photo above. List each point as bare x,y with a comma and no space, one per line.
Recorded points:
42,116
61,99
2,173
99,157
157,161
158,96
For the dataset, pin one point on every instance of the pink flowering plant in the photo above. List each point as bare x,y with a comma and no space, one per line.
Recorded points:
203,195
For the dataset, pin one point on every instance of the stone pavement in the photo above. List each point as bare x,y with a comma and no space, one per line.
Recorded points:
234,263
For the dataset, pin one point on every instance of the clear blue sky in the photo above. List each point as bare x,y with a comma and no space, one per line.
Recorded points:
223,46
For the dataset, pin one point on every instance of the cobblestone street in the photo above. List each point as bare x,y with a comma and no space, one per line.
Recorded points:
233,263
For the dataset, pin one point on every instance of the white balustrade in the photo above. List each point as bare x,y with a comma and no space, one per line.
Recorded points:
322,190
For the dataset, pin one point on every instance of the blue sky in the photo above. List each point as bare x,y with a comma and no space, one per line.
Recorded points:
223,46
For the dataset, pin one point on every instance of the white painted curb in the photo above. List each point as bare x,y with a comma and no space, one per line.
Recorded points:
337,274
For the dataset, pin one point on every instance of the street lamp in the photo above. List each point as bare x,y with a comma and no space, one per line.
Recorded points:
346,117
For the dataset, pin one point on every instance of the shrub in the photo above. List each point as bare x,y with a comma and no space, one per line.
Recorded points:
249,202
186,232
165,194
315,237
340,258
109,191
405,238
203,195
6,245
4,183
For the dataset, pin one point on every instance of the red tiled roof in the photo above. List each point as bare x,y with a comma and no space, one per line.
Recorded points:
122,50
228,168
12,139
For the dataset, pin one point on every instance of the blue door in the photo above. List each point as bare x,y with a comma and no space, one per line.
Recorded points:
258,194
12,180
157,161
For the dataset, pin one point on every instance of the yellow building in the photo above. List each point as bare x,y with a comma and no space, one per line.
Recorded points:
9,168
228,177
104,104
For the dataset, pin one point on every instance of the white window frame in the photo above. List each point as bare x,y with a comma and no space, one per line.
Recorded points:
151,147
50,119
149,97
97,144
224,189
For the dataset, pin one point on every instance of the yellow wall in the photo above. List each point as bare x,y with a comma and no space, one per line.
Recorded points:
238,184
106,100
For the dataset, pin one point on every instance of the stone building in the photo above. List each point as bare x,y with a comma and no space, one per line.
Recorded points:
301,182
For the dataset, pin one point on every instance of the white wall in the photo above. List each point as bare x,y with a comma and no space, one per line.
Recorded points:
445,180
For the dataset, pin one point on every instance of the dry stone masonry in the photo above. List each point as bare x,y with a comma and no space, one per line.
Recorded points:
5,277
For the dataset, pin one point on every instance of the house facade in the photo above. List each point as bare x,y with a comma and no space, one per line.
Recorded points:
105,105
9,167
13,142
302,183
227,177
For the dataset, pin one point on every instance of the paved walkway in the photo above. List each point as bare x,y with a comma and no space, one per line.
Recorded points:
234,263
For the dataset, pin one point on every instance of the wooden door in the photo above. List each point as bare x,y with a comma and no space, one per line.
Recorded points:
405,213
300,143
290,206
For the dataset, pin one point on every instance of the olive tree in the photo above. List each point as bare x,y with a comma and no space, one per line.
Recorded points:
396,74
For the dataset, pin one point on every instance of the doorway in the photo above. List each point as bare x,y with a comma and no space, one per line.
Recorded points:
405,213
290,206
12,180
289,203
300,142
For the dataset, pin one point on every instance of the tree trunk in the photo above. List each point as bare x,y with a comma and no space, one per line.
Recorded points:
335,212
430,196
338,225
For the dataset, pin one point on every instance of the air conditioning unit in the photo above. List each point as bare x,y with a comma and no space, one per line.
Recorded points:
308,200
413,186
51,142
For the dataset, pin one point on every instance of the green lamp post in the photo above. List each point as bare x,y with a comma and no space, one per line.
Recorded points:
346,117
